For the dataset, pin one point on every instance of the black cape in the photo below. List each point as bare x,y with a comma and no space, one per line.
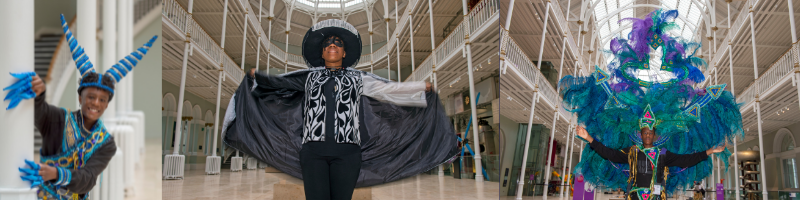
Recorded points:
396,142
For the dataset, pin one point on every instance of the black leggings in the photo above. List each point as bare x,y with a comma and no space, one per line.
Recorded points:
329,177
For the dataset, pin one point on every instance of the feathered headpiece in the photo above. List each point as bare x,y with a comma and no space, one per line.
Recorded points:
615,106
117,71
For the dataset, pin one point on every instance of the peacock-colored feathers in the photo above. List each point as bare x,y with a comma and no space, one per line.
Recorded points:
689,119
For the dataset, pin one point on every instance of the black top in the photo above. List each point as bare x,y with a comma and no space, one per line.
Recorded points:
50,120
644,170
329,147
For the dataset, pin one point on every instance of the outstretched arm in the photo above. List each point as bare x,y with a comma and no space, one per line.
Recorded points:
276,82
612,155
403,94
688,160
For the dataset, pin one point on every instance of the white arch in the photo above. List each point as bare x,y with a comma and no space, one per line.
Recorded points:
780,137
187,108
209,116
197,113
168,102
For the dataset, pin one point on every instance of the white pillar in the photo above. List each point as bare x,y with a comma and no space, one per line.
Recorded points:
109,50
182,89
258,49
753,40
791,22
763,177
244,35
86,32
735,166
397,38
510,12
550,152
388,55
121,28
17,145
433,57
269,41
730,67
129,46
411,38
521,180
472,104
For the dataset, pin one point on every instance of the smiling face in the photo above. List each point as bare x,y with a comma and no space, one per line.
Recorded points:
333,51
648,136
94,102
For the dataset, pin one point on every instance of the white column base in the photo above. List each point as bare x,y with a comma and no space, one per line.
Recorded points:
173,167
262,165
236,164
213,165
252,163
17,193
441,170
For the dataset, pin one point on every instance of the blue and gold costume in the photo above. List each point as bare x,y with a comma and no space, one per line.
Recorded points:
78,153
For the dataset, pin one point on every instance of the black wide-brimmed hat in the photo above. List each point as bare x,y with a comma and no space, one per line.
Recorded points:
312,42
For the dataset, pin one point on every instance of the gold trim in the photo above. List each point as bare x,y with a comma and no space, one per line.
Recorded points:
714,28
583,32
269,18
580,22
710,38
370,32
287,32
186,118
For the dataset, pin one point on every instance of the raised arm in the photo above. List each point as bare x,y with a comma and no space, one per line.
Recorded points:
612,155
47,118
403,94
269,82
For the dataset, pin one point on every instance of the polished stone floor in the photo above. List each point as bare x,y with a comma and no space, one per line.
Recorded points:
255,184
148,177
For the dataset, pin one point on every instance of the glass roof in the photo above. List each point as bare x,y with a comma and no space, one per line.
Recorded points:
330,5
689,18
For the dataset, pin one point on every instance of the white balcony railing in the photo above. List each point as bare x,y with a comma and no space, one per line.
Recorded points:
564,26
777,71
176,14
478,17
743,14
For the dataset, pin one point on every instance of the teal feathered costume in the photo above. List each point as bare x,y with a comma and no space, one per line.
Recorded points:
614,106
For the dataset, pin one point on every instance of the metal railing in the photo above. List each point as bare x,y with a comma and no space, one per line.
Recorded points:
743,14
517,57
142,7
564,26
173,11
477,18
783,67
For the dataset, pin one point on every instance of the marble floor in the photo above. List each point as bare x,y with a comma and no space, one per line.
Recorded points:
255,184
148,176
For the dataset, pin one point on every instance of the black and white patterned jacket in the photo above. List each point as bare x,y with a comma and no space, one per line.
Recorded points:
350,86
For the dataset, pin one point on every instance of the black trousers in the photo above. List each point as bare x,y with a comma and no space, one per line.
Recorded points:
329,177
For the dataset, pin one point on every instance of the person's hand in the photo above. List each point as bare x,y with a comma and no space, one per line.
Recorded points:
48,173
253,72
583,134
718,149
37,85
428,87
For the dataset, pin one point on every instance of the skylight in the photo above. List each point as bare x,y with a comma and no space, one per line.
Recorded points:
327,5
608,15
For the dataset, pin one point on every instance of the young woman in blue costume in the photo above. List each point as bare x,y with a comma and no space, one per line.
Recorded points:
76,147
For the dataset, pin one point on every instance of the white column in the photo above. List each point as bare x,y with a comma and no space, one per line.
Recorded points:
244,35
182,89
510,12
86,32
763,177
730,67
550,152
791,21
735,166
753,40
286,55
258,49
397,38
17,144
555,114
109,50
388,55
129,46
121,50
521,180
472,104
411,38
567,154
433,57
269,41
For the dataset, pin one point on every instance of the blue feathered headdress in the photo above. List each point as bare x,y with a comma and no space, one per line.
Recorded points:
612,106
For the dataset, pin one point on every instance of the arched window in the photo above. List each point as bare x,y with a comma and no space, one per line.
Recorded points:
788,163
